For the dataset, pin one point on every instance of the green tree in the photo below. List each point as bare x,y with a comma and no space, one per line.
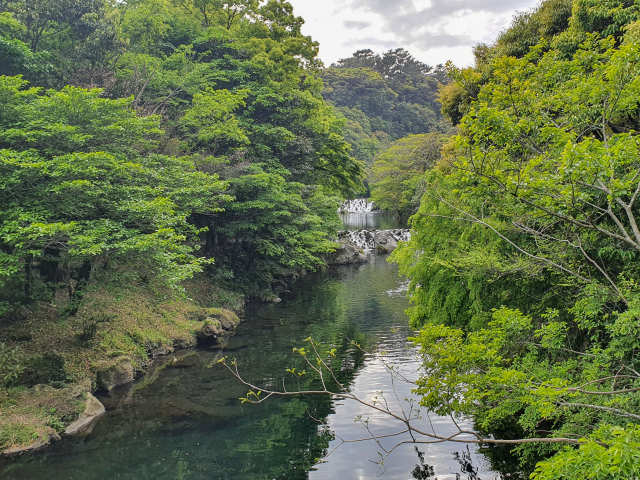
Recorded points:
16,55
397,172
69,206
537,207
48,18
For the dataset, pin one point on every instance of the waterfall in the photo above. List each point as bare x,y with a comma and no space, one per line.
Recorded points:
363,239
369,240
401,235
359,205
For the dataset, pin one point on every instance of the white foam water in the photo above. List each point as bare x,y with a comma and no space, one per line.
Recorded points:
368,240
359,205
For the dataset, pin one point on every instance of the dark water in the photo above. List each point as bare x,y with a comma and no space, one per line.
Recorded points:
183,420
372,221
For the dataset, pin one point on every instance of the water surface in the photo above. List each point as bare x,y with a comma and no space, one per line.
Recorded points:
183,419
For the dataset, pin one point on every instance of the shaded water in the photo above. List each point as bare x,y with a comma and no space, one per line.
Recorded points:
183,419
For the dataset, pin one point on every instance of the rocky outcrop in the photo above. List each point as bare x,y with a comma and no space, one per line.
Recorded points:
116,372
217,324
346,254
68,401
47,436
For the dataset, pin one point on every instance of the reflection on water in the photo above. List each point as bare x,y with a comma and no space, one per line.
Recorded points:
183,420
372,221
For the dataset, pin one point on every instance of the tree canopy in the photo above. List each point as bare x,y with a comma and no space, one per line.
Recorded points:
523,257
384,98
226,93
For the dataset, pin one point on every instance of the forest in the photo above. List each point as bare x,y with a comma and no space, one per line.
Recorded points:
524,258
161,157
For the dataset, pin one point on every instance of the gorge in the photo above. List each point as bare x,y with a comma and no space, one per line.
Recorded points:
182,419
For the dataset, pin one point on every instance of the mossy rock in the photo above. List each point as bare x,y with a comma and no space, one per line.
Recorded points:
34,439
217,323
32,418
228,320
382,249
93,410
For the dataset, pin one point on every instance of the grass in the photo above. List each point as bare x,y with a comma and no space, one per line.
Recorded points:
28,414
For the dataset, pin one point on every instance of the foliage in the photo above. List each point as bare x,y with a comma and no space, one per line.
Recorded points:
522,260
65,212
611,453
11,368
89,325
397,172
384,96
563,25
233,85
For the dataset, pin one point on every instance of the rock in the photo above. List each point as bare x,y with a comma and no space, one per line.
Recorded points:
87,419
210,331
346,254
273,298
279,283
218,323
112,373
279,290
227,318
45,439
185,342
158,350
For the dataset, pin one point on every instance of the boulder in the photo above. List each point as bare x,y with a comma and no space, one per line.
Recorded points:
346,254
217,323
210,331
116,372
279,283
187,341
87,419
45,439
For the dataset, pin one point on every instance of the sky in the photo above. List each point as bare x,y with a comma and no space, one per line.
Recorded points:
434,31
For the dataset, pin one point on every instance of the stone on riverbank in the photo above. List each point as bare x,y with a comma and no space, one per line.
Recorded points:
87,419
218,323
25,425
47,436
116,372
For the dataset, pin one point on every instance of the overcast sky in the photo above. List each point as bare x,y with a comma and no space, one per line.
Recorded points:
434,31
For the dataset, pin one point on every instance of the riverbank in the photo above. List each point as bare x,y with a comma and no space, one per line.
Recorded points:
56,360
182,419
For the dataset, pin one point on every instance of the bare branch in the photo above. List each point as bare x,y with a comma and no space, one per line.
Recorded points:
616,411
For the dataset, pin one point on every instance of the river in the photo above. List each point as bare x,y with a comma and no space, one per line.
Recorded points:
183,419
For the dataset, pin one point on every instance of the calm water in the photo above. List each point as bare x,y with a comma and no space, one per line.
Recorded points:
371,221
183,420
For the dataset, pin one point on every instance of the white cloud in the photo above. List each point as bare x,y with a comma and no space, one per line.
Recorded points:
434,31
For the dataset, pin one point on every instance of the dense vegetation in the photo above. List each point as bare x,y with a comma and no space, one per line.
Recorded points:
156,157
157,154
384,98
173,103
524,258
